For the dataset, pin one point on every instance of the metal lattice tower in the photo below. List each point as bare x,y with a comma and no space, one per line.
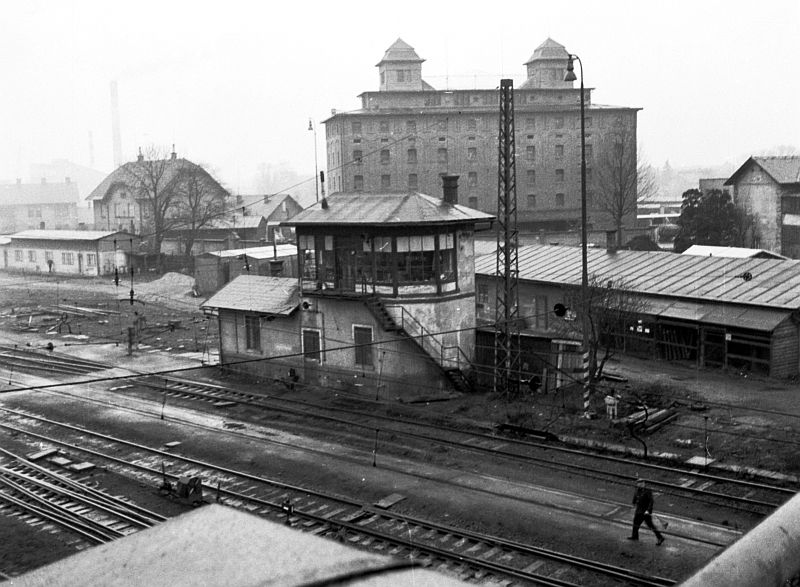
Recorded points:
506,334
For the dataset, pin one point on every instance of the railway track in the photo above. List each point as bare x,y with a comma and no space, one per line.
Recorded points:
39,494
754,496
716,488
469,555
25,360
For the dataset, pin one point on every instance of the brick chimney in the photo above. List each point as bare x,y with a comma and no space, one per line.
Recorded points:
450,189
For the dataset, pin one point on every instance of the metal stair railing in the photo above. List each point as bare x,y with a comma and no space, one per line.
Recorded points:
447,357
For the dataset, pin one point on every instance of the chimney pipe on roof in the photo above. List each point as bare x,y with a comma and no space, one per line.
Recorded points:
174,155
611,241
450,189
140,157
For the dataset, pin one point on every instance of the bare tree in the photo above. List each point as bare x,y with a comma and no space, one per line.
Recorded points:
199,201
622,179
173,193
611,308
151,179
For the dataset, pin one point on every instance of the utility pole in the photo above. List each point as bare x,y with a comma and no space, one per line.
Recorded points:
506,333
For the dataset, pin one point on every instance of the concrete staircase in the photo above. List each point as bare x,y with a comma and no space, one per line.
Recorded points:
451,360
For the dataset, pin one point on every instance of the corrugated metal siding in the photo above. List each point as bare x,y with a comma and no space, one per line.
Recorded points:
784,354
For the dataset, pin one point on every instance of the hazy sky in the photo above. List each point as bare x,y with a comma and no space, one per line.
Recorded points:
233,84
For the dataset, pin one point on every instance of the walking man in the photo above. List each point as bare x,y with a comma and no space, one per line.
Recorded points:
643,500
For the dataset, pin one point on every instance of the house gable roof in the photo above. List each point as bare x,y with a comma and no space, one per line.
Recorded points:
259,294
126,175
782,170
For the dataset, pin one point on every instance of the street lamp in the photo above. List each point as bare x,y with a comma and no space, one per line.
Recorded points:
316,167
570,77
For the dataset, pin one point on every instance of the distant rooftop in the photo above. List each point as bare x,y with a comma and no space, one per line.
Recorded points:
21,194
731,252
267,252
81,235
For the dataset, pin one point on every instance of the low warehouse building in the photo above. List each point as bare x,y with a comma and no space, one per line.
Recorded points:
73,252
741,313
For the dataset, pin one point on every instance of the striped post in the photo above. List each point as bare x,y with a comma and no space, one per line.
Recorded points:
586,389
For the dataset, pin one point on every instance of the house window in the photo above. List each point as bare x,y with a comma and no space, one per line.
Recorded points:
362,340
560,200
411,155
358,182
48,255
91,260
531,173
384,126
386,181
32,256
559,175
252,329
311,348
472,154
411,126
587,122
442,156
530,152
384,156
531,200
443,124
401,75
18,256
472,201
355,127
357,157
472,179
67,258
559,151
413,181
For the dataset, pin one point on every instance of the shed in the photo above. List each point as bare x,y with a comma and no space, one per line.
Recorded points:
712,311
214,269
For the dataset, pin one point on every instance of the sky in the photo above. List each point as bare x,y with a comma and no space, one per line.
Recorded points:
233,84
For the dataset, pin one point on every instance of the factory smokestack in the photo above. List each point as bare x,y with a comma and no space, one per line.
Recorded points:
115,130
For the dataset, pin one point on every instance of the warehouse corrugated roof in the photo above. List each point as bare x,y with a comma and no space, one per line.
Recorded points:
257,293
775,283
396,209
